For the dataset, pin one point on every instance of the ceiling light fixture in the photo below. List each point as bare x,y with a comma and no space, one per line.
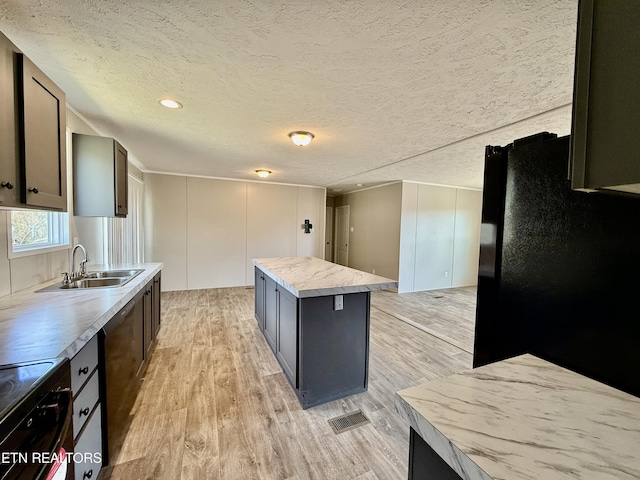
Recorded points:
301,138
263,173
169,103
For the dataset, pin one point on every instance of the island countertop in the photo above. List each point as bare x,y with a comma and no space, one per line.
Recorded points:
525,418
39,325
312,277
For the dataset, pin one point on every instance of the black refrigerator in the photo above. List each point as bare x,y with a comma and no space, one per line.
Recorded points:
559,272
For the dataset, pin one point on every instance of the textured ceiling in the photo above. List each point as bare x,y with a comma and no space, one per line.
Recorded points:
392,90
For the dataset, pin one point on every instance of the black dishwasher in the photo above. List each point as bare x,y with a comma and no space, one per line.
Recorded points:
123,350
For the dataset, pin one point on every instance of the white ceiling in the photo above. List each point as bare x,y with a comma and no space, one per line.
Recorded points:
392,89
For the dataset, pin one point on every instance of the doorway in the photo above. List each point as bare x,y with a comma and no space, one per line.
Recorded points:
342,235
328,235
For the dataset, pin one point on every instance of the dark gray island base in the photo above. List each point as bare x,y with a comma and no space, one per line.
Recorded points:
320,341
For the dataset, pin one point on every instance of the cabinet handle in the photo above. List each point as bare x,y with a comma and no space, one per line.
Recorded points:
7,185
34,189
88,474
84,411
83,371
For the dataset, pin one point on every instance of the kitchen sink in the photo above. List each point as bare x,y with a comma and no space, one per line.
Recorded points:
113,274
96,282
105,278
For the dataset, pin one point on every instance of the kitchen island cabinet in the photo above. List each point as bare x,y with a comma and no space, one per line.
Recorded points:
315,317
520,419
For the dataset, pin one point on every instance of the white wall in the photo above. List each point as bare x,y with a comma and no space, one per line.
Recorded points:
375,217
166,227
207,230
440,237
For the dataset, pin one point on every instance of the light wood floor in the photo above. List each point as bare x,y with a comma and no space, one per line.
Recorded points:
216,405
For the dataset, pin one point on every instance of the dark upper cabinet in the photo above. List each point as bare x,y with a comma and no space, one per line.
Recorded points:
9,189
605,145
100,168
32,134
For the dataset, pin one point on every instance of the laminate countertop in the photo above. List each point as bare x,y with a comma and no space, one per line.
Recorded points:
525,418
39,325
311,277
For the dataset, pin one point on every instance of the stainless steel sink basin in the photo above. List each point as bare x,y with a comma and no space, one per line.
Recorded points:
96,282
106,278
113,274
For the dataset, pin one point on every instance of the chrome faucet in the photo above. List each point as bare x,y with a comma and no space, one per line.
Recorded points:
81,272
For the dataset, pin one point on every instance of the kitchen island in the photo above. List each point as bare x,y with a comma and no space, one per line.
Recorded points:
315,317
522,418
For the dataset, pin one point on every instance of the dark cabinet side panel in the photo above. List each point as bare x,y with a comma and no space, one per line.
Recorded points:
259,297
335,347
122,181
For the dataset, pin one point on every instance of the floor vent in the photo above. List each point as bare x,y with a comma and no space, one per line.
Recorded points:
348,422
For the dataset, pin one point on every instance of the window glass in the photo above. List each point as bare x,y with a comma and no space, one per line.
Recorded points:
37,231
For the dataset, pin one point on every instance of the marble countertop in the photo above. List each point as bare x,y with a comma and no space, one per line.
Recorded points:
38,325
525,418
312,277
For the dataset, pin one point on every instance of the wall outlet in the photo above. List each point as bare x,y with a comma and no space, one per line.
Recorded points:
338,302
446,274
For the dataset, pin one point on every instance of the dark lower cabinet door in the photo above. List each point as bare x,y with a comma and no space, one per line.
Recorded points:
157,292
287,344
259,297
270,312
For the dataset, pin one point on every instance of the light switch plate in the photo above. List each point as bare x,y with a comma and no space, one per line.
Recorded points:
338,302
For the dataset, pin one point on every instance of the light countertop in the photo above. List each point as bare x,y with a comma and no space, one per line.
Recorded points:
525,418
312,277
38,325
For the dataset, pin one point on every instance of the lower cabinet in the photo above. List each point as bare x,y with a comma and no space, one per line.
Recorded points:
87,428
287,336
270,312
128,340
425,463
323,351
259,297
155,297
88,447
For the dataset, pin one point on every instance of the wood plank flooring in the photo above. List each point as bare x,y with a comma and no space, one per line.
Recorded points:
446,314
215,404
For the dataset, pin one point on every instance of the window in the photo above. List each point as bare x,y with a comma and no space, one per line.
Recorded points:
36,231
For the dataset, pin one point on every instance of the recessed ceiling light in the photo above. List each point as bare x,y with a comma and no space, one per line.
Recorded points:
301,138
358,185
169,103
263,173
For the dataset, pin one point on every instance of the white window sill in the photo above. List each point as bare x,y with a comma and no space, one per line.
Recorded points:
38,250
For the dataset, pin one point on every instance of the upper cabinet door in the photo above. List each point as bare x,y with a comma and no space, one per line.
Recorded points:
605,145
9,184
42,123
